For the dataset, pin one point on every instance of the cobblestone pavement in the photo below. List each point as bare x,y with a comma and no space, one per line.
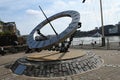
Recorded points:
109,71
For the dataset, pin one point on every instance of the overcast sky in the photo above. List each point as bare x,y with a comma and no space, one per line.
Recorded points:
27,14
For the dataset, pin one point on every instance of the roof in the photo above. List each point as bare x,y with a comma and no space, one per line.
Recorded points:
97,34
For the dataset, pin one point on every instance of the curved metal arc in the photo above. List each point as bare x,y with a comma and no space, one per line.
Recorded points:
62,36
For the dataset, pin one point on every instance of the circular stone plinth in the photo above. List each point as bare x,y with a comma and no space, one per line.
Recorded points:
57,68
54,55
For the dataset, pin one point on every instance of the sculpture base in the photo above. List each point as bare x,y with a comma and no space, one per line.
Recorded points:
54,55
36,66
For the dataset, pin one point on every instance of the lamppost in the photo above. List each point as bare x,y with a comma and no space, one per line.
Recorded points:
101,12
103,35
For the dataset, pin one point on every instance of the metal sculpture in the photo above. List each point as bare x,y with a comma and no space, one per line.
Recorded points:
43,42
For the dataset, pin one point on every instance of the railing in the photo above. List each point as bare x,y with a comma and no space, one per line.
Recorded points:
95,43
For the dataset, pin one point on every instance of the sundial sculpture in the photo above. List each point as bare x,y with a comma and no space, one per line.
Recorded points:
47,43
36,66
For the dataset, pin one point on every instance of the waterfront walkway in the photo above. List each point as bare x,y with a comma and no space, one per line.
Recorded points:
109,71
108,46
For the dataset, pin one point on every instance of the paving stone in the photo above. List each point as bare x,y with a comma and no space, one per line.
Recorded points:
77,70
64,68
51,70
69,72
40,72
70,66
85,63
74,65
87,67
69,78
36,72
67,65
81,64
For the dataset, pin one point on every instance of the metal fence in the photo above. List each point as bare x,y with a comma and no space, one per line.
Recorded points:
95,43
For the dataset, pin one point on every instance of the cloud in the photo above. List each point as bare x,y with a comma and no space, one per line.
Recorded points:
33,12
27,14
89,1
111,14
61,5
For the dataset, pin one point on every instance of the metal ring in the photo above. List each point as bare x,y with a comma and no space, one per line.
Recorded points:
59,38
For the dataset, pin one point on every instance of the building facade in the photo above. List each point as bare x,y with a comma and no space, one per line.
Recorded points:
118,25
1,26
9,27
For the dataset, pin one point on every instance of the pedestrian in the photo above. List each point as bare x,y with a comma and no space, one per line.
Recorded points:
2,52
119,43
95,42
92,44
